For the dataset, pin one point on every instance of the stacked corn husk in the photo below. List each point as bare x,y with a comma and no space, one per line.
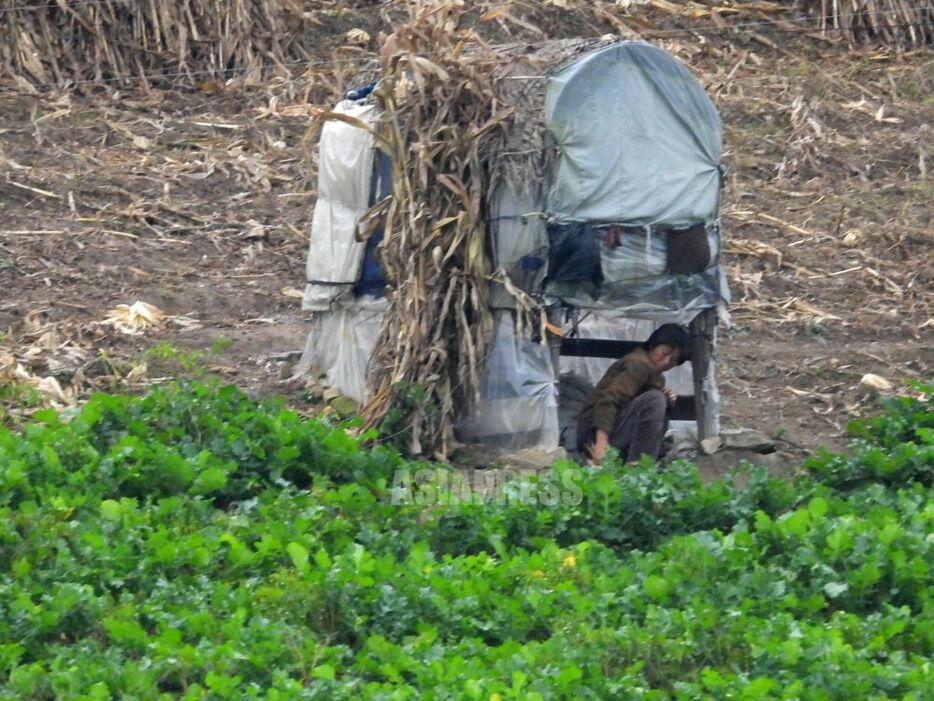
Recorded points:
53,42
50,42
439,116
895,22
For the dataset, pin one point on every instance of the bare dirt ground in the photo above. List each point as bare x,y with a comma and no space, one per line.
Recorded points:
199,203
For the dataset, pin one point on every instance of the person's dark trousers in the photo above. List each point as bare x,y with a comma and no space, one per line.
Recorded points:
638,429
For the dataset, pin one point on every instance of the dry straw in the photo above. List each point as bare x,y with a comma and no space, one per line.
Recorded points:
438,114
459,117
900,23
55,41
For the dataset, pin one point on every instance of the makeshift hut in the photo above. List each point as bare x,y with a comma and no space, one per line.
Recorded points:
599,211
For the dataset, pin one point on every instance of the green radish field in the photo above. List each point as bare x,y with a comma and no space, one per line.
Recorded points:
195,544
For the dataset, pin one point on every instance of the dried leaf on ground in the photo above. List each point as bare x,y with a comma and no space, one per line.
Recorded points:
136,318
876,382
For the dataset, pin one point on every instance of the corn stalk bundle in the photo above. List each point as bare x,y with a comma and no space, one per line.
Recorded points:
459,118
901,23
54,41
439,115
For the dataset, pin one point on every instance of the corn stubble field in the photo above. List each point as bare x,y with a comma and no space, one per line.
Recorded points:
157,175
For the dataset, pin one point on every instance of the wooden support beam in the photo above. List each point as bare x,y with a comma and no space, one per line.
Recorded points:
703,341
596,347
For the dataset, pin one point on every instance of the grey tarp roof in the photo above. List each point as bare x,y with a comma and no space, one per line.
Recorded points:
638,141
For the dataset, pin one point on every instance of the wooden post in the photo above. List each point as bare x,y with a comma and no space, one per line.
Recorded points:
555,316
703,345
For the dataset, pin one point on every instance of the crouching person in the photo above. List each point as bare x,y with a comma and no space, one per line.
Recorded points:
628,408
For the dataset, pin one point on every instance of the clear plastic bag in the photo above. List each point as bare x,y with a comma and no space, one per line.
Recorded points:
518,407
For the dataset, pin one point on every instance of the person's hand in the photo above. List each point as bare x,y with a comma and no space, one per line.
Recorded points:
596,455
598,448
670,394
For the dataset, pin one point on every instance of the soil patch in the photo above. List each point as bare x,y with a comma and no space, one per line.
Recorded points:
200,205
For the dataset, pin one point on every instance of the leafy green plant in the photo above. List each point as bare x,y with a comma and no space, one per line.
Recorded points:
895,447
407,399
905,418
18,396
220,344
166,358
196,544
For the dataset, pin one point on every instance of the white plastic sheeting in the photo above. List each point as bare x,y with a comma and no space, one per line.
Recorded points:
340,342
345,167
638,141
640,255
637,145
519,398
520,240
675,299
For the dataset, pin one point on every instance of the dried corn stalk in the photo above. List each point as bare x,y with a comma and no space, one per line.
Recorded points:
52,42
438,115
902,23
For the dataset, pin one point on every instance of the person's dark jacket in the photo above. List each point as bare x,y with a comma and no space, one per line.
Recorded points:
627,377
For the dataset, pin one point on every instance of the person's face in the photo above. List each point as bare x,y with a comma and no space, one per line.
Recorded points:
664,357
